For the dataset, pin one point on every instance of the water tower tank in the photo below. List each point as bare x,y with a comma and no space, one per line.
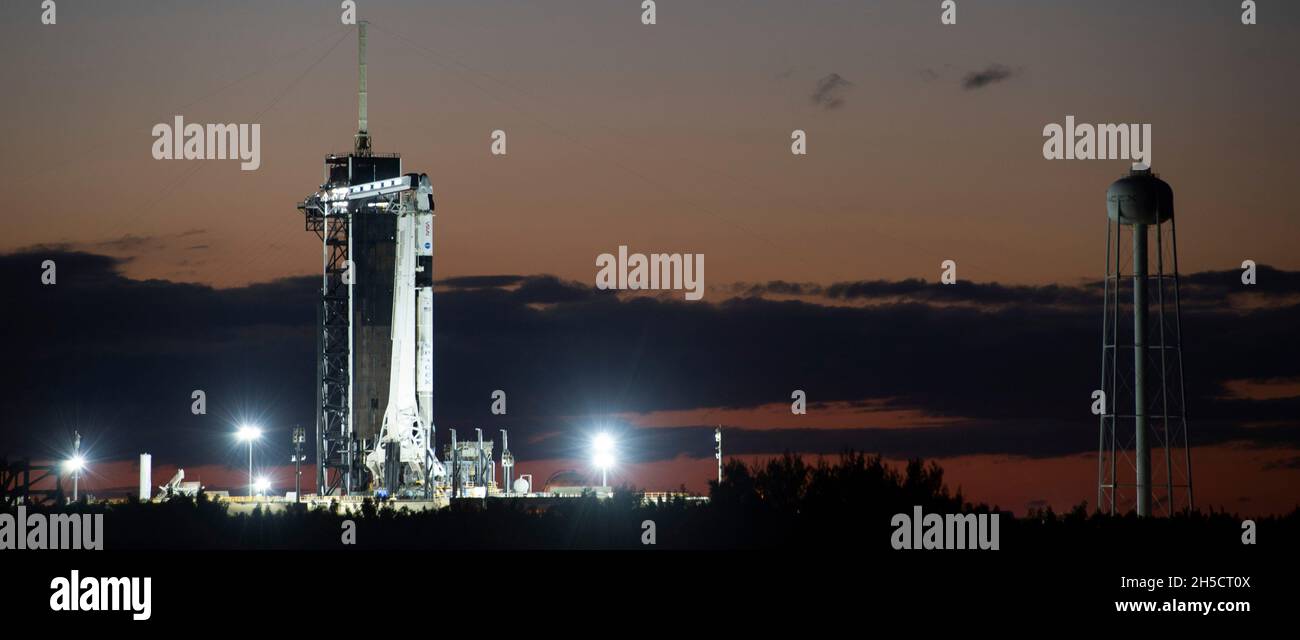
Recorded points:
1140,198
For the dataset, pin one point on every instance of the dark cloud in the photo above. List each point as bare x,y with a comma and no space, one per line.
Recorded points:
830,90
1012,370
481,282
963,291
131,243
1209,289
775,287
985,77
550,290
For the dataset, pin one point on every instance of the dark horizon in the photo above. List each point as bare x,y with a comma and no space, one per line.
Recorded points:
563,346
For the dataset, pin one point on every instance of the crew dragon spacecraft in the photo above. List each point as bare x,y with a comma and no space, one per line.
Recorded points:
375,320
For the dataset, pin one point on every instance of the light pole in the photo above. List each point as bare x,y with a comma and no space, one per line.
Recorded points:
248,434
717,438
603,455
75,464
299,436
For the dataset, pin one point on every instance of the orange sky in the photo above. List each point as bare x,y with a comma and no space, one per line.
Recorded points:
665,147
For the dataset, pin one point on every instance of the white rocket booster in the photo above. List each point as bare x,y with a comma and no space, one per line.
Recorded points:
408,416
424,317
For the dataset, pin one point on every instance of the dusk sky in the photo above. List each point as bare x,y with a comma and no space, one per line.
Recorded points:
924,144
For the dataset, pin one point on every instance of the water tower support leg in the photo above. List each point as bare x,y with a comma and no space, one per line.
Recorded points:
1142,445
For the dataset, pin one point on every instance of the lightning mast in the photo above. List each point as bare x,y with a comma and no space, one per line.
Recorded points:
362,146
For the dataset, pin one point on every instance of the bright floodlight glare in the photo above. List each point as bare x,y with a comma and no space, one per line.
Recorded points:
75,463
249,433
262,485
602,450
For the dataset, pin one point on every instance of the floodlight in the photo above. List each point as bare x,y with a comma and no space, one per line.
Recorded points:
74,464
603,455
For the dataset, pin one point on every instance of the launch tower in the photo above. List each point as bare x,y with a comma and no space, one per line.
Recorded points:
355,214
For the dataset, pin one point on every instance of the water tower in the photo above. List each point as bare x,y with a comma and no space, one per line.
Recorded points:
1142,356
